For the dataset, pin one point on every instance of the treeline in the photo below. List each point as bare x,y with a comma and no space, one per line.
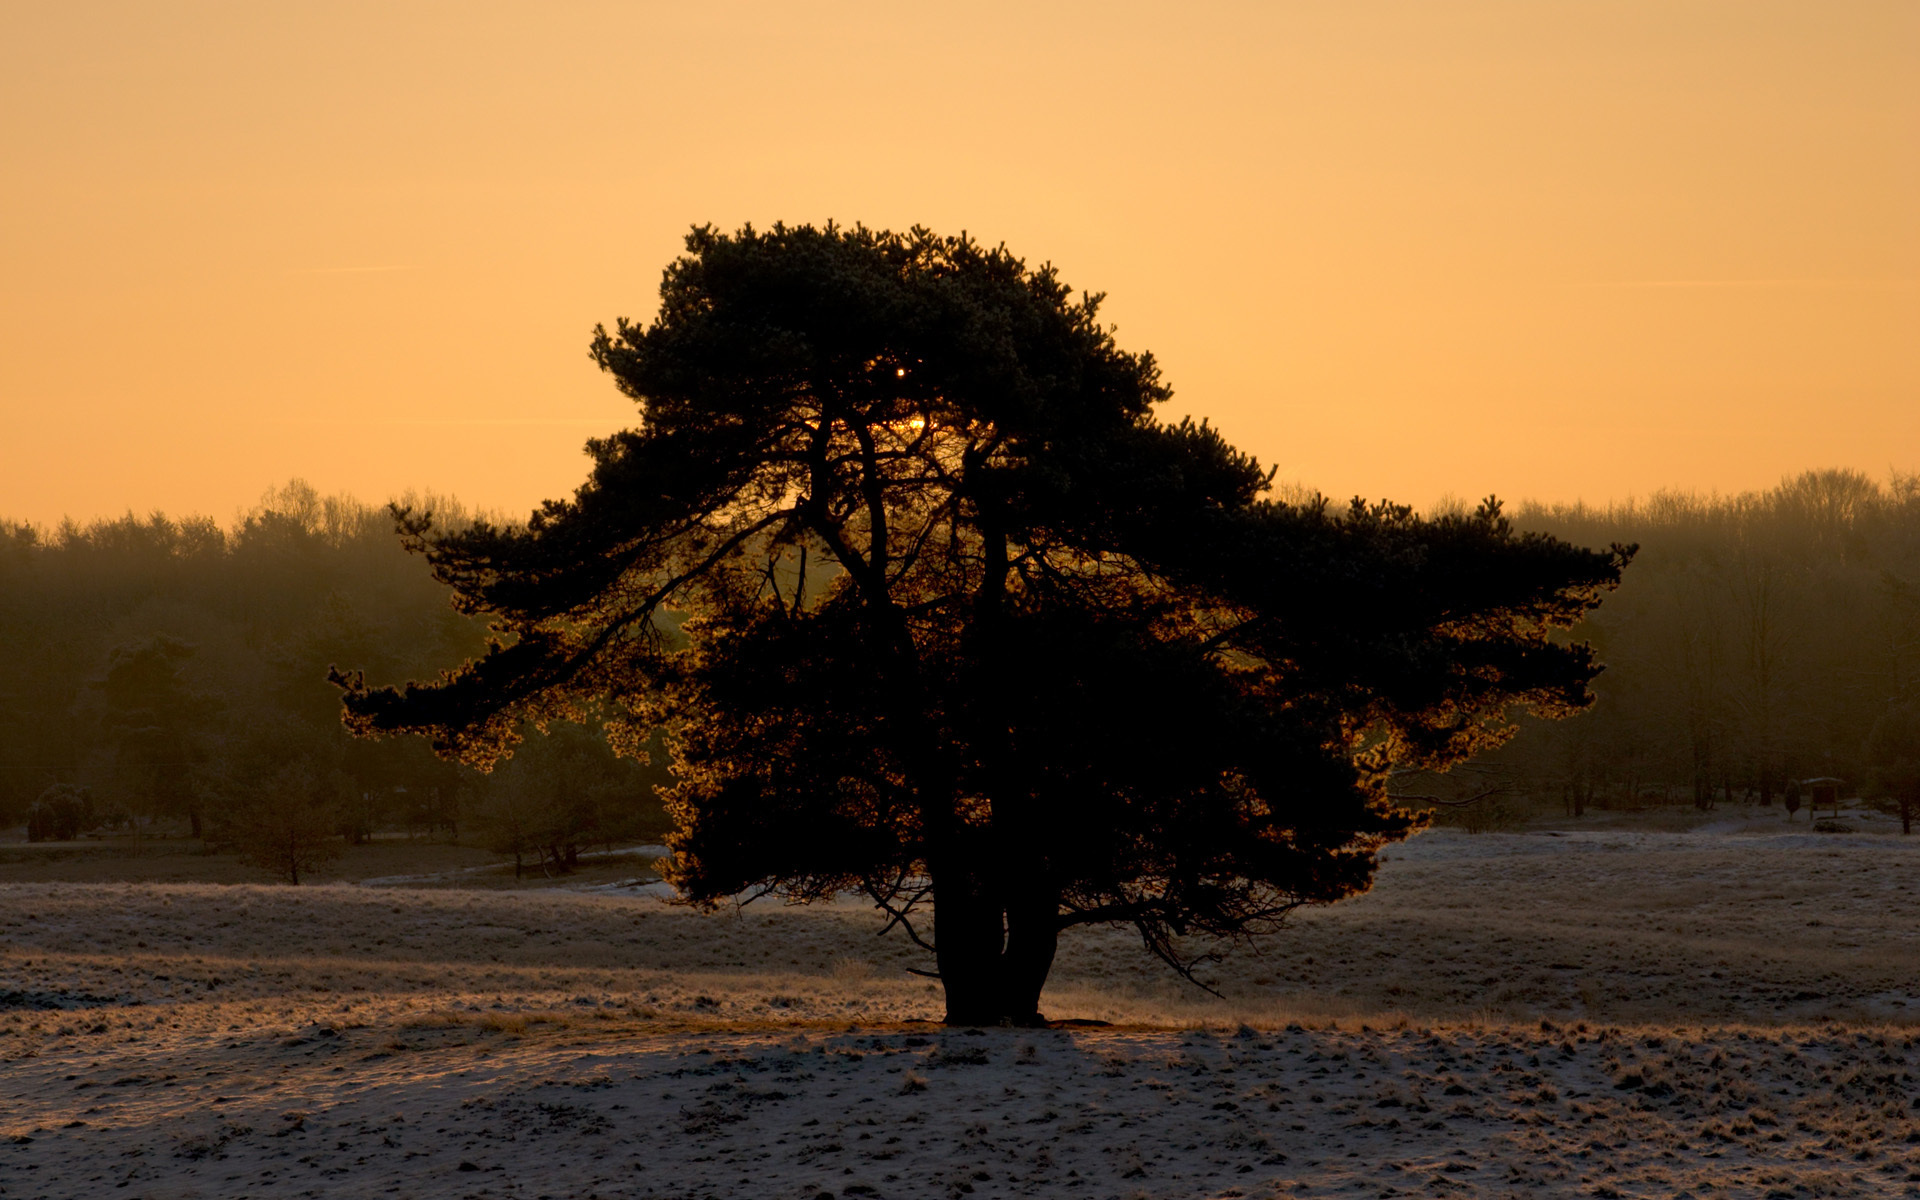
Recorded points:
165,675
1757,641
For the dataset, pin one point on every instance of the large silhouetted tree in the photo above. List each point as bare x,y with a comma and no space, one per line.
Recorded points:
966,623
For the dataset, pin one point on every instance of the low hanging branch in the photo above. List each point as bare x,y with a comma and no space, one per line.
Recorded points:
1421,798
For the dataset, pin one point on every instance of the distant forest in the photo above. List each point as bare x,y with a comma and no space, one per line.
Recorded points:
1754,642
173,672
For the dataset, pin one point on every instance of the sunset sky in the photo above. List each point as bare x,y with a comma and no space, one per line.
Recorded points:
1546,248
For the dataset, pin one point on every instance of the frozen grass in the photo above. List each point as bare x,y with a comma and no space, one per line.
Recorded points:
394,860
1601,1012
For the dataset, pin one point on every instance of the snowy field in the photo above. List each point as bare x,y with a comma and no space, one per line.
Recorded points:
1727,1012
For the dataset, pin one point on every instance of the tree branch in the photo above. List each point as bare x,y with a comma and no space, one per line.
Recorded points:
1482,794
900,915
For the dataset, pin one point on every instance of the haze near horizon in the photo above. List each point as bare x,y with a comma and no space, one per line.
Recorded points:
1546,250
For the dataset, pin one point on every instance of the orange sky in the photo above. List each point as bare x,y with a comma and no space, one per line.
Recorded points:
1549,248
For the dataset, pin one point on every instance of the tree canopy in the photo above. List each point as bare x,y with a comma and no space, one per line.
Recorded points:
935,606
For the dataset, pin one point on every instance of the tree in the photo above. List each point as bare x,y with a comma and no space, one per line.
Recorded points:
967,625
563,792
288,824
61,814
1893,761
283,798
156,722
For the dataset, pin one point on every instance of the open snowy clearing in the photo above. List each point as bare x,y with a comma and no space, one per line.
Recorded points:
1724,1012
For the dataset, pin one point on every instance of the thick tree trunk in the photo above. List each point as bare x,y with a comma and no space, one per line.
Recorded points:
994,952
969,939
1033,933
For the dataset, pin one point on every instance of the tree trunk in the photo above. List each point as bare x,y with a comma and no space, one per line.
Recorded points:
969,938
994,951
1033,934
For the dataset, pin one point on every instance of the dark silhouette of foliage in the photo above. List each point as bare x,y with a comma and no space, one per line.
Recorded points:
62,813
1756,641
1893,761
563,792
156,722
283,797
97,688
967,623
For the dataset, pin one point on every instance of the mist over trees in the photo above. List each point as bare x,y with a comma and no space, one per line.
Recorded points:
171,675
1758,639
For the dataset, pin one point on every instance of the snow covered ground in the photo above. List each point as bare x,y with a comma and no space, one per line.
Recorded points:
1727,1012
